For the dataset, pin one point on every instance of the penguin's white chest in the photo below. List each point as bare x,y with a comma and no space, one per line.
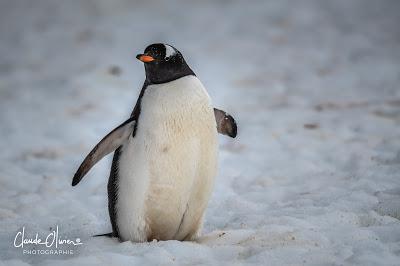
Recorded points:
166,172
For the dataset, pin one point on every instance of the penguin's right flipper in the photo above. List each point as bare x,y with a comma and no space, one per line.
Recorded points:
108,144
226,125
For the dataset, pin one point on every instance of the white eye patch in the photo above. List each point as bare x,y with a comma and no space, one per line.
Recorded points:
169,51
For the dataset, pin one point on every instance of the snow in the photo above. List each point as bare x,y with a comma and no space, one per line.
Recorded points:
312,178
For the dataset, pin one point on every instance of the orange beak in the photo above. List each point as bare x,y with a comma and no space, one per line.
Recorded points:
145,58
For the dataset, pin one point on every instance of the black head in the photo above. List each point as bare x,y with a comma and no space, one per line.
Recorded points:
163,63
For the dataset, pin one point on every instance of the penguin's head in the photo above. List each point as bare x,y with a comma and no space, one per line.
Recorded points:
163,63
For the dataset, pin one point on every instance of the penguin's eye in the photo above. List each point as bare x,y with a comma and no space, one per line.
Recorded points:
167,58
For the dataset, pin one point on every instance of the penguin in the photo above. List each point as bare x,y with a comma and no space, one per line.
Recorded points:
165,154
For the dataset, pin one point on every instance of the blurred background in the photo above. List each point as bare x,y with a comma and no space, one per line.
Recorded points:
313,85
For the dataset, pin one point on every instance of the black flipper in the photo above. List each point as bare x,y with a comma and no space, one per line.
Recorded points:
226,125
108,144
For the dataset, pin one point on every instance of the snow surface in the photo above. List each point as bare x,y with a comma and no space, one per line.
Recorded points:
313,177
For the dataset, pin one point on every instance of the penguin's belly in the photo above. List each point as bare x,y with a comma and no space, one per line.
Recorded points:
166,171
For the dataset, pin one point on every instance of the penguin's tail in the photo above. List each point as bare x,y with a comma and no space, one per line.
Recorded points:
107,235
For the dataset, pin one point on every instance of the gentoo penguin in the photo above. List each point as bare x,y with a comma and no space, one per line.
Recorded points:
165,158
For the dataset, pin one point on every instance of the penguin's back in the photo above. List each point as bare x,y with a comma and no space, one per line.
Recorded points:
166,172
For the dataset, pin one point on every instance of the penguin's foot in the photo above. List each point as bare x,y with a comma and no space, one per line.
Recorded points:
107,235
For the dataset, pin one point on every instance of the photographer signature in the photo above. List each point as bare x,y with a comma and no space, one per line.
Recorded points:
52,240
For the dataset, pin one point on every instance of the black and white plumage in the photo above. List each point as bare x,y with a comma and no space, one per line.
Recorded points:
165,157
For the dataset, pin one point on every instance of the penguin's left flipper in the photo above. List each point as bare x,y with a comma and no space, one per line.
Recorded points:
226,125
108,144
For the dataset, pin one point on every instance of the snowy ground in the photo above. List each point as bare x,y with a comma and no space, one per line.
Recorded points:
313,178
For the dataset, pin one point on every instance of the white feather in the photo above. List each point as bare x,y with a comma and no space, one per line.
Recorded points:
166,171
169,50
